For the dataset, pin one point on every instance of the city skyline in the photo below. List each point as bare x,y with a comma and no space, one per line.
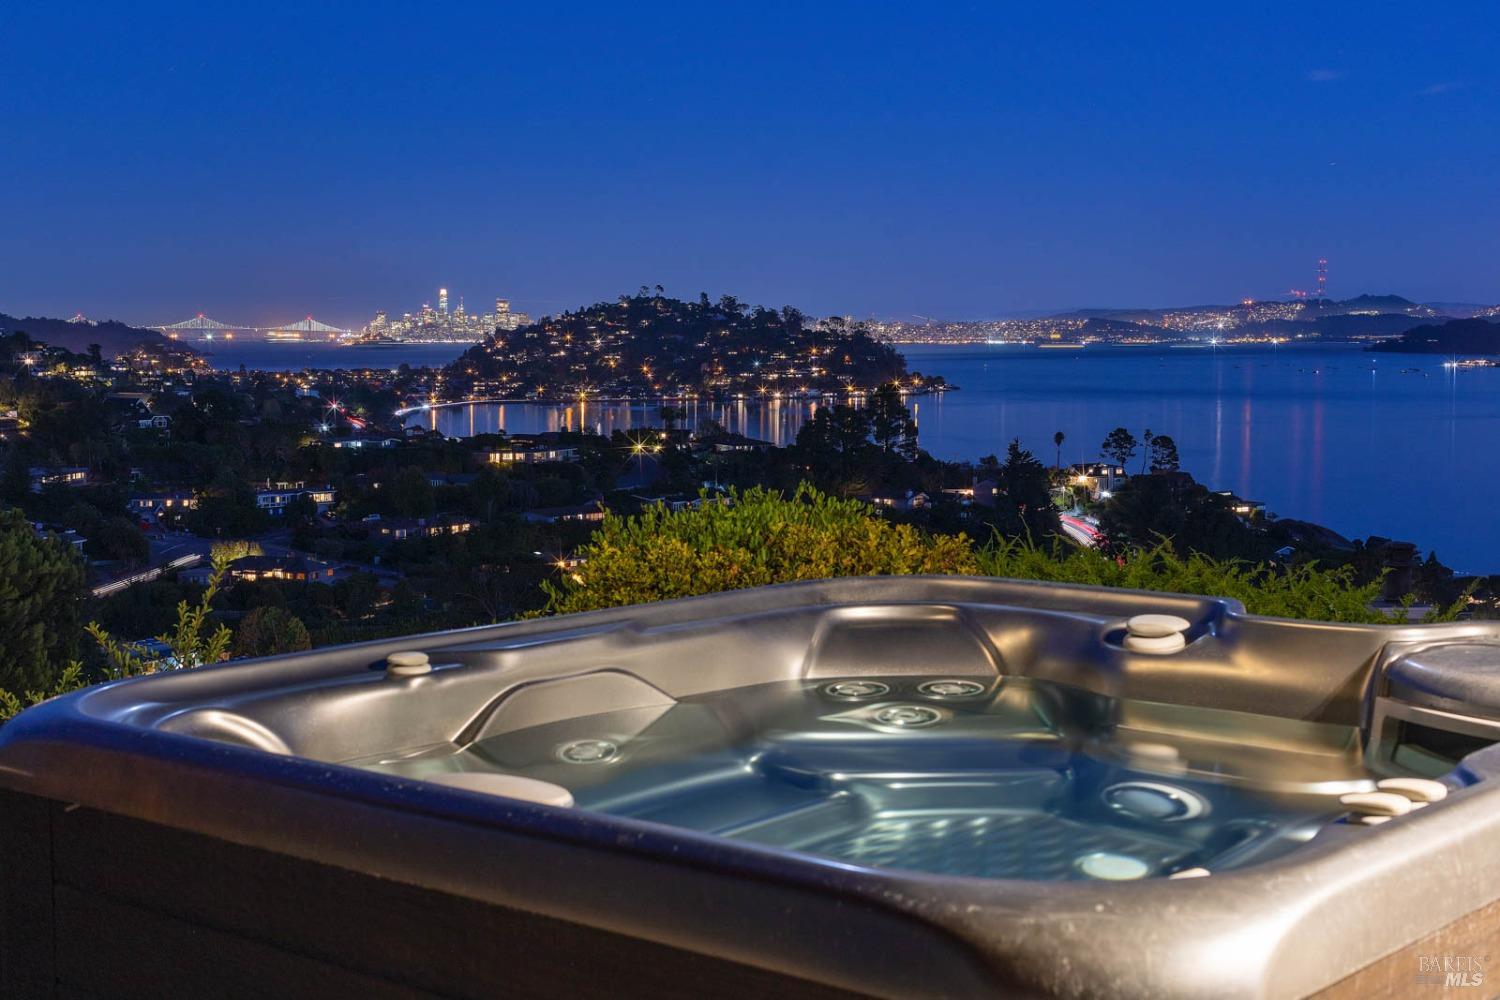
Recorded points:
872,161
379,317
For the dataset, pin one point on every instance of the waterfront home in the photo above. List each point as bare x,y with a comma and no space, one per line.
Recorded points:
520,450
728,443
1247,510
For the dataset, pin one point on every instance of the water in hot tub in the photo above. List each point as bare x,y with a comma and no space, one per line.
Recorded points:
995,777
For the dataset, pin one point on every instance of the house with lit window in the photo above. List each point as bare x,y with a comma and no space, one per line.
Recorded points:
901,502
1247,510
528,450
591,511
437,479
144,505
295,569
67,536
274,498
729,443
44,476
1100,479
399,529
365,442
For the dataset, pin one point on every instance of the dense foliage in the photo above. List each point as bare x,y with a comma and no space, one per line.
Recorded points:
759,537
754,538
1146,509
1301,591
269,631
41,592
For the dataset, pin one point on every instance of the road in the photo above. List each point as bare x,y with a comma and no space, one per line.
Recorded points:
1083,530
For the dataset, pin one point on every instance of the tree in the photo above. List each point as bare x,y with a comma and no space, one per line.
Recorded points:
1147,509
409,494
1119,446
710,430
15,478
1023,502
890,422
69,678
357,595
670,415
1146,452
228,552
226,511
270,631
188,642
1057,442
300,510
118,538
1164,454
835,450
41,588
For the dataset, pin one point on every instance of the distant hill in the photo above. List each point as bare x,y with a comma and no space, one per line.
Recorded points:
1096,326
1343,326
1360,317
1129,315
645,345
1369,304
1460,310
1458,336
112,336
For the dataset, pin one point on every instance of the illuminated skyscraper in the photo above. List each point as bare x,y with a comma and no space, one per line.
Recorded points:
443,300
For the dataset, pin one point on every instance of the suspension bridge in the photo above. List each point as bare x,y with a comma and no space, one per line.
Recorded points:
207,328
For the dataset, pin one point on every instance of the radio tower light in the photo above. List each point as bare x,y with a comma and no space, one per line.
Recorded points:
1322,277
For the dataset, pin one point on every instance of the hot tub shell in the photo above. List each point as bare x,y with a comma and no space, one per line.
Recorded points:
244,767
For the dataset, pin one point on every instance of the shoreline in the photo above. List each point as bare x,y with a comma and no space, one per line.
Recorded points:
648,400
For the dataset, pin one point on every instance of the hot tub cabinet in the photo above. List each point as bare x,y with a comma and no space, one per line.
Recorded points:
887,787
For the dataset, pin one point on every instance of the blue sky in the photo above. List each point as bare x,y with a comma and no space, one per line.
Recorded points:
260,161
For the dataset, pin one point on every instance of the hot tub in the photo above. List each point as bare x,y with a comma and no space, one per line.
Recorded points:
889,786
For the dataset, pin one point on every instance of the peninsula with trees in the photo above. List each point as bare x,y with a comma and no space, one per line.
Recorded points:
650,346
1475,335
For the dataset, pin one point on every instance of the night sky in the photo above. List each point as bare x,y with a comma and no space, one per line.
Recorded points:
974,161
